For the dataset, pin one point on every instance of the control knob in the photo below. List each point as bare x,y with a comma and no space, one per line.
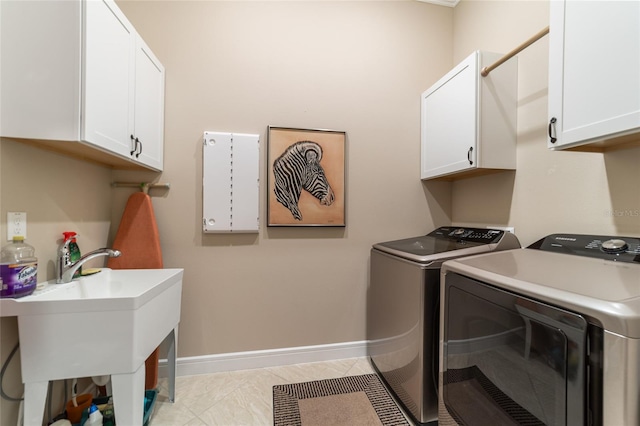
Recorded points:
615,246
459,231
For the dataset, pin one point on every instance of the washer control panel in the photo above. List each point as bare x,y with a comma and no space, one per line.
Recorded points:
479,235
619,249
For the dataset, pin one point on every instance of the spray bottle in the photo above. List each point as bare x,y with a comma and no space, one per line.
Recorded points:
74,251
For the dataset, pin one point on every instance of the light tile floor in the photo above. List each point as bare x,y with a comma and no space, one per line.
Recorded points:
240,398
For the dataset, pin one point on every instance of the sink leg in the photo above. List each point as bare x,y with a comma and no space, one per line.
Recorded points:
171,361
35,397
128,397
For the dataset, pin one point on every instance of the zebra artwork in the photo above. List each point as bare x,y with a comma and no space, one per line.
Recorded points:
299,168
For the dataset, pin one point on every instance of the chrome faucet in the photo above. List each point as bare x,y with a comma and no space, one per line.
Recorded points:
65,269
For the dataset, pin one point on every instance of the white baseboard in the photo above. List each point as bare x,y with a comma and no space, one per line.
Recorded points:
207,364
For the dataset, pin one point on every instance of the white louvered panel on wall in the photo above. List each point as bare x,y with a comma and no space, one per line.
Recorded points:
230,182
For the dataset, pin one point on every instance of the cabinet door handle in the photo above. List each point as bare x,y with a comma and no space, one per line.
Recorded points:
138,141
469,155
133,145
552,127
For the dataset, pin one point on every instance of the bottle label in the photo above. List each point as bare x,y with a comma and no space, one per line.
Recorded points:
74,256
18,279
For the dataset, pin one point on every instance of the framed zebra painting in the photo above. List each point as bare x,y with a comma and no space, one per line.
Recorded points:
306,177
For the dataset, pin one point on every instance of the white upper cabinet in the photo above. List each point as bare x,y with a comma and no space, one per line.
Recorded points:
77,78
469,121
594,74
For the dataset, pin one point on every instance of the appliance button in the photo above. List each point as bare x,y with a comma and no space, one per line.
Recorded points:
615,246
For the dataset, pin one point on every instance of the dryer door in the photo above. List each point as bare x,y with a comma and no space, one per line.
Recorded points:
510,360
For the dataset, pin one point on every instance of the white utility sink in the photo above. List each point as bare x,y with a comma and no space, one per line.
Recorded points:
103,324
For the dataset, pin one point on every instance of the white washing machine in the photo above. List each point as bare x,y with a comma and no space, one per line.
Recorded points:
403,309
548,335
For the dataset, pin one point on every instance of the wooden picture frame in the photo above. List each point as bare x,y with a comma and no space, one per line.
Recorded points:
294,153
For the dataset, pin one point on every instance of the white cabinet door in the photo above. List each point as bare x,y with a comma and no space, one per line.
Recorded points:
449,128
594,71
149,107
108,78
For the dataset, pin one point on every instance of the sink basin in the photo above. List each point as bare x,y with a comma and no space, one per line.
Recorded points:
107,290
103,324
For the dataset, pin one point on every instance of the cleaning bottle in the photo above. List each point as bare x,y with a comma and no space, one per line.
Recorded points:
18,269
95,417
74,250
108,418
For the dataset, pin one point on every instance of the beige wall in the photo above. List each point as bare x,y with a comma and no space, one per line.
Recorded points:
576,192
242,66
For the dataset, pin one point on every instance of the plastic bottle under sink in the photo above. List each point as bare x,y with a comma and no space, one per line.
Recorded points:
95,417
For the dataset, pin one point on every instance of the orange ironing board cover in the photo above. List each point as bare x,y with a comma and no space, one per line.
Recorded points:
138,241
137,237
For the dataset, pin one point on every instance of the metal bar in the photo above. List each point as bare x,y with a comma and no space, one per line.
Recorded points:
486,70
141,185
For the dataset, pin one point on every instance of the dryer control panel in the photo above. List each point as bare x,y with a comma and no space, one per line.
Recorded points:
619,249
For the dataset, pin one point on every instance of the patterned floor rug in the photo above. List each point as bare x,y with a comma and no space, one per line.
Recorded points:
354,400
